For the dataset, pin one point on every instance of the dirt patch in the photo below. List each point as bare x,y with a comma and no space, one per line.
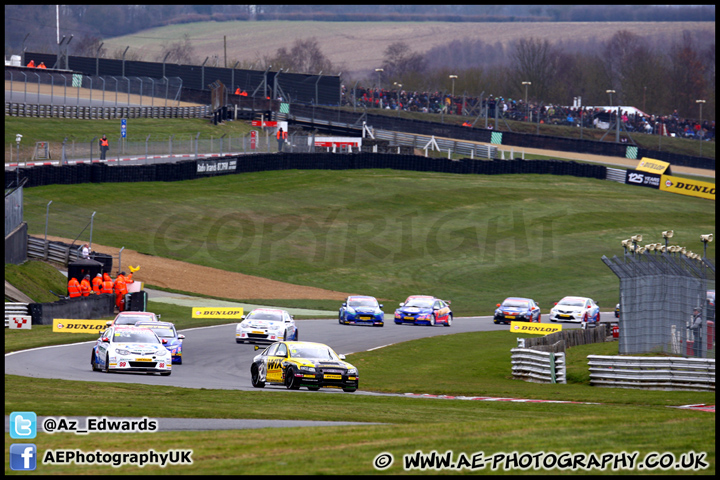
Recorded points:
188,277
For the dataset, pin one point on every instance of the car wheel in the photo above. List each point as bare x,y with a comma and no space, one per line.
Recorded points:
106,369
165,374
495,321
285,336
349,390
239,341
290,381
433,320
297,334
313,389
449,321
255,377
93,363
179,362
340,319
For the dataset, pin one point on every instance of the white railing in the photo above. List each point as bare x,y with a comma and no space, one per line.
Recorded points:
652,373
537,366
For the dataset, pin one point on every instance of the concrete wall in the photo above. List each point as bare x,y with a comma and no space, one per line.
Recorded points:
92,307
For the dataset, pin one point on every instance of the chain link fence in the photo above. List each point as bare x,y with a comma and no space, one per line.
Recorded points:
658,292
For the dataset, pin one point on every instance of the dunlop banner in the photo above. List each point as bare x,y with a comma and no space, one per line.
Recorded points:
534,328
654,166
206,312
685,186
72,325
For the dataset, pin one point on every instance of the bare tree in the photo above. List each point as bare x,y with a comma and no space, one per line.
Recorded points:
305,56
179,52
535,61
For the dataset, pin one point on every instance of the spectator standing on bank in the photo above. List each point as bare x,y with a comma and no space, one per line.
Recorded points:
85,251
104,147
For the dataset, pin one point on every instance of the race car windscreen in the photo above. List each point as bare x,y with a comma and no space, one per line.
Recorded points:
135,336
129,319
363,302
264,316
320,353
420,302
571,302
515,303
162,332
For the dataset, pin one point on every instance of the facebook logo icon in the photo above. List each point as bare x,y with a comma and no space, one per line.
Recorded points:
23,425
23,456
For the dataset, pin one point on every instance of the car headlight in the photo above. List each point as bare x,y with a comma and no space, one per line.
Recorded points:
352,371
307,369
120,351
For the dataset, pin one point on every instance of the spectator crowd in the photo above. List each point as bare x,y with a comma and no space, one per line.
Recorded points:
516,109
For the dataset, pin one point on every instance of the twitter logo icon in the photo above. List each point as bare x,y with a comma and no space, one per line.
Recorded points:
23,425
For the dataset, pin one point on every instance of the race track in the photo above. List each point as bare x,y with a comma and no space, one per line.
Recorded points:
212,359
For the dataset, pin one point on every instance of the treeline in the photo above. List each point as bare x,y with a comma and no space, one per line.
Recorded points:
37,22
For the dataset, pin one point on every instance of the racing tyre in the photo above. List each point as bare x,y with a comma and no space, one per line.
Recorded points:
255,377
106,369
313,389
285,336
449,321
297,334
349,390
92,362
165,374
290,381
433,319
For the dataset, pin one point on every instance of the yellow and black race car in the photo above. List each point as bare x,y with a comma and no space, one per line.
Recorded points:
303,364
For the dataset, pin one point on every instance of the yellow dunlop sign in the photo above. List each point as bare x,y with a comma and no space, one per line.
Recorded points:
685,186
534,328
205,312
653,166
72,325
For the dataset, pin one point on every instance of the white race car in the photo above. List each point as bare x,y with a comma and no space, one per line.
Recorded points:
125,348
575,309
267,325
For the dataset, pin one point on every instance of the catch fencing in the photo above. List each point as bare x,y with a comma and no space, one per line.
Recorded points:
39,86
539,367
652,373
658,292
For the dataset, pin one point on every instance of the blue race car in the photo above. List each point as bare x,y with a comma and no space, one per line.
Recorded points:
168,336
424,310
361,310
516,308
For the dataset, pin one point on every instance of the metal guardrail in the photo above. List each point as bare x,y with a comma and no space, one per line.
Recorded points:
15,310
413,140
446,145
92,113
539,367
652,373
53,252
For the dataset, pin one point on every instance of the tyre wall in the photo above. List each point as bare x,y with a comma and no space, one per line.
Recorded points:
187,169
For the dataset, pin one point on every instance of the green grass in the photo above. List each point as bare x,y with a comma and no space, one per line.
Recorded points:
35,279
469,238
624,420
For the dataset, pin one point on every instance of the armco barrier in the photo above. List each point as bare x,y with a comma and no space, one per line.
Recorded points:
509,138
187,169
652,373
539,367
